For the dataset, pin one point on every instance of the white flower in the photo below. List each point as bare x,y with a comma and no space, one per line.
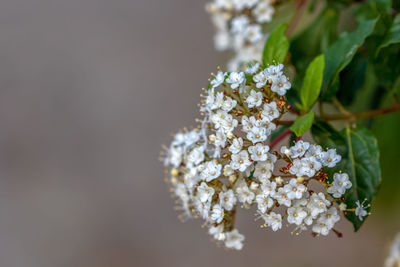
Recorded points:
229,123
227,199
263,12
274,71
268,188
196,156
309,167
330,158
211,171
216,231
317,204
236,79
264,202
254,99
204,192
274,221
229,104
260,79
217,213
240,161
218,80
220,138
252,68
326,222
339,185
263,171
299,149
234,239
270,112
253,33
360,211
282,198
228,171
294,190
236,146
280,85
296,215
258,152
314,151
258,134
203,208
239,24
245,195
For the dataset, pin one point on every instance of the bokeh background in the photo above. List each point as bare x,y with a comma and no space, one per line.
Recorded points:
89,91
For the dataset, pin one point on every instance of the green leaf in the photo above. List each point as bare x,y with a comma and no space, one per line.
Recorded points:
311,87
360,160
314,40
276,46
303,123
340,54
393,36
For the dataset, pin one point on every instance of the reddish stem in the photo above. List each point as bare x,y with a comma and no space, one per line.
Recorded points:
279,138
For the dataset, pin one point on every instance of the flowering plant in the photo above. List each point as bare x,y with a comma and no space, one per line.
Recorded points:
232,159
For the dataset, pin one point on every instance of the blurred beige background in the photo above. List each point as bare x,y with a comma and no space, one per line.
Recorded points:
89,90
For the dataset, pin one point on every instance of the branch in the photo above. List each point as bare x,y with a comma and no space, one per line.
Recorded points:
279,138
352,116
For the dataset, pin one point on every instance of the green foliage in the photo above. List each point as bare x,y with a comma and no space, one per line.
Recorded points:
340,54
276,46
312,83
303,123
393,35
360,160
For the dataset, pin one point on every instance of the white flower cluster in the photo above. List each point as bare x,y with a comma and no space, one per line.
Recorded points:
239,27
226,162
393,260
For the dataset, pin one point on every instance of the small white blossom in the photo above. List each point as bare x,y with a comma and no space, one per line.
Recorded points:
360,211
236,79
234,240
280,85
260,79
239,24
258,152
330,158
211,171
254,99
294,190
236,146
205,192
217,213
270,112
227,199
264,202
258,134
240,161
245,195
296,215
299,149
263,171
218,79
339,185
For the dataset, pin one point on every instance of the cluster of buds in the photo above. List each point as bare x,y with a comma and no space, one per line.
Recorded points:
239,26
228,161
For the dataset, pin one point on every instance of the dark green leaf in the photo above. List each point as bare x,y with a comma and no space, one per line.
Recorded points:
360,160
276,46
303,123
312,83
314,40
393,36
339,55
